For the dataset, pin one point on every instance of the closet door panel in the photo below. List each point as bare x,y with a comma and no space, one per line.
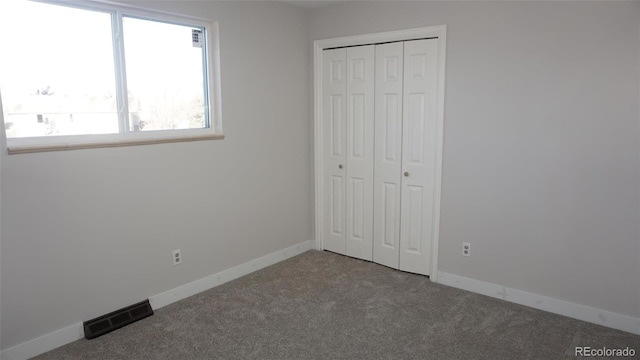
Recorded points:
388,153
359,151
334,112
418,154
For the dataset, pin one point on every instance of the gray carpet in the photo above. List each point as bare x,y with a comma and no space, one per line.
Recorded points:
320,305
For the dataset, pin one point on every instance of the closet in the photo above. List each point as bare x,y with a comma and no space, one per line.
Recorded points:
379,152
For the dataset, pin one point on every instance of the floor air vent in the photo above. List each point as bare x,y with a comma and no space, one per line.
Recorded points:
117,319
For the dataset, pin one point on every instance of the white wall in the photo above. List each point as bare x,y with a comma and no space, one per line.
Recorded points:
89,231
541,148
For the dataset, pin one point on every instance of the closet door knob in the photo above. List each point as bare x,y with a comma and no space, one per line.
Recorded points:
340,166
406,174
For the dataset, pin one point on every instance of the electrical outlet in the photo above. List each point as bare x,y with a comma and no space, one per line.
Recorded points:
177,258
466,249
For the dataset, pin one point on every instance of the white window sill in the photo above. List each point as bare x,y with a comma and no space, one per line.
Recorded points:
24,149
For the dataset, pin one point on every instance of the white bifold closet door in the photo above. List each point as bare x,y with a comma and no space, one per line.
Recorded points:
348,109
405,115
379,113
388,154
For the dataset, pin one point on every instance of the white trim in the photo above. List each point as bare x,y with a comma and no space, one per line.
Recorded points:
44,343
75,332
214,75
401,35
317,121
211,281
398,35
442,51
541,302
105,144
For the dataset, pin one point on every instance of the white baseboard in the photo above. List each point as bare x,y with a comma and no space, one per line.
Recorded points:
556,306
44,343
75,332
211,281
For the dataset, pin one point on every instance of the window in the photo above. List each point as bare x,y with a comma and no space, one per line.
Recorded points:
75,74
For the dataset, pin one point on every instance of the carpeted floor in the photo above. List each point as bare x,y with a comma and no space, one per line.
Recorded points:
320,305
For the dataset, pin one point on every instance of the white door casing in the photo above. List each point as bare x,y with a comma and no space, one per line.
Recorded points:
388,153
418,154
334,178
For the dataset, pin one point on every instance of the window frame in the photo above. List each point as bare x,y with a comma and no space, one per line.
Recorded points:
125,137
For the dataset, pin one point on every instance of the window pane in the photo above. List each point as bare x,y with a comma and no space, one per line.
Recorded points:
165,77
56,70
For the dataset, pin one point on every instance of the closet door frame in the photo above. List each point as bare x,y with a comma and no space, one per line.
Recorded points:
438,32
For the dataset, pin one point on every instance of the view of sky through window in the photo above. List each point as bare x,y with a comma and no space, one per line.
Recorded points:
57,74
164,76
57,71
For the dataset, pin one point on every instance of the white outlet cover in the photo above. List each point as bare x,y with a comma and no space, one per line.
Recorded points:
466,249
